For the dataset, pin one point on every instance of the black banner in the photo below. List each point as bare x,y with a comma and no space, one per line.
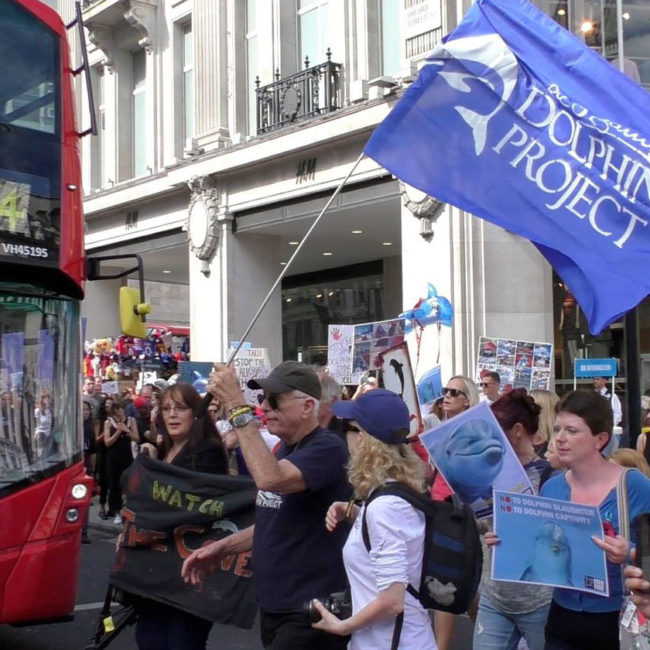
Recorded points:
172,511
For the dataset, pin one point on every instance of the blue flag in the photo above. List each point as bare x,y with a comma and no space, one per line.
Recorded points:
516,121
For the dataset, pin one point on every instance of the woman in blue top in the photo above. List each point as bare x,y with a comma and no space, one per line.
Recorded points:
583,428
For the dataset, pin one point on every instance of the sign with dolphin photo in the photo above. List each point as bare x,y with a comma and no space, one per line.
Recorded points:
548,542
474,456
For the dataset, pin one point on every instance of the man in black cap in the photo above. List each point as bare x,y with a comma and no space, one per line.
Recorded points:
294,557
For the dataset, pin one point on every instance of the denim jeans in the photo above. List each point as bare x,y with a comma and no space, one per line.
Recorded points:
495,630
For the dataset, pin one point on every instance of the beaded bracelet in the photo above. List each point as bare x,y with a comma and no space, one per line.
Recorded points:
236,410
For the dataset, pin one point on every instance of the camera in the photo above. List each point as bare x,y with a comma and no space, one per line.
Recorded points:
338,604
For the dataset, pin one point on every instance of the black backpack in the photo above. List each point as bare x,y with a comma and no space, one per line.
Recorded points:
453,559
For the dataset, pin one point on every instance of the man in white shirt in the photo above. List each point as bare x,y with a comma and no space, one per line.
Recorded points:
491,385
600,386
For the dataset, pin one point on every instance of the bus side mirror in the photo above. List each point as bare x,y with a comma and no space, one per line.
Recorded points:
132,312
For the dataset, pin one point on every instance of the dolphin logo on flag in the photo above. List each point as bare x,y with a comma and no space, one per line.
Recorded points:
498,66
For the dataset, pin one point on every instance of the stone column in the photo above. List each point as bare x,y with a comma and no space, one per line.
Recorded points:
427,260
209,25
229,277
498,283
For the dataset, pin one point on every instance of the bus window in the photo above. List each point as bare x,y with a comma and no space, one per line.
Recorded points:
30,139
39,386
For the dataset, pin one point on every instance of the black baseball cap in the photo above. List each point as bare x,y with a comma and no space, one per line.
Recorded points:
288,376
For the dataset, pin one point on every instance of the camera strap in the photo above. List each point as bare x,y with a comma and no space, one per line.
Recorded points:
397,631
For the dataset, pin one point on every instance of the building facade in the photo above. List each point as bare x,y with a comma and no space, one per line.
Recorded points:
225,126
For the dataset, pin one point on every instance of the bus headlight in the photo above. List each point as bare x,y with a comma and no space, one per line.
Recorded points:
72,515
79,491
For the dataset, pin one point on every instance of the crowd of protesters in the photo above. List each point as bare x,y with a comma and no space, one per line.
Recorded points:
315,458
114,427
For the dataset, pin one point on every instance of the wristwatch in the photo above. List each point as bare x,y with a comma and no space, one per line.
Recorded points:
241,417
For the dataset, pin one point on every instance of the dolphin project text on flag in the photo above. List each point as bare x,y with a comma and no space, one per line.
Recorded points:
171,511
515,120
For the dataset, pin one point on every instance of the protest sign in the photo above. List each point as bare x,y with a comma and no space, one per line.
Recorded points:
520,364
548,541
339,352
196,373
170,512
353,350
110,387
398,377
251,363
429,387
474,456
370,340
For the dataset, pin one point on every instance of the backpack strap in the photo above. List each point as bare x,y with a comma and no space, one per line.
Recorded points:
394,489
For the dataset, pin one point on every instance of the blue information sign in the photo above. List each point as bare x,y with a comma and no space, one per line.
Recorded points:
596,367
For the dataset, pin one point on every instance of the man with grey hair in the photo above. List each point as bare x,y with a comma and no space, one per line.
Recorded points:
295,558
330,392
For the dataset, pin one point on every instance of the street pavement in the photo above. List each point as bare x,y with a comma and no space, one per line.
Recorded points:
96,560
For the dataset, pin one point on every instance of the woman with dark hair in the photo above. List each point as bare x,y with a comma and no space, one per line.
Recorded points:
583,427
189,440
101,466
510,611
119,432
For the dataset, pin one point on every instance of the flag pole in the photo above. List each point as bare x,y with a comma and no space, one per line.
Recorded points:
291,259
631,319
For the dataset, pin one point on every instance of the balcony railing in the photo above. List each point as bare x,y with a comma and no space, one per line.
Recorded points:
313,91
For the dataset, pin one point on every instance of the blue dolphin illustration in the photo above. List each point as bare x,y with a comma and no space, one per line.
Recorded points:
550,557
471,459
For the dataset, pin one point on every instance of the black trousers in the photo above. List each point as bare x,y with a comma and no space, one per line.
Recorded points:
292,631
101,472
162,627
570,630
116,467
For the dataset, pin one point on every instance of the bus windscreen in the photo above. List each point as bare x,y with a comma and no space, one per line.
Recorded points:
39,349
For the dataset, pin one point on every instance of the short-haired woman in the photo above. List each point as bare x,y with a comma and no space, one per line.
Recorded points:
583,428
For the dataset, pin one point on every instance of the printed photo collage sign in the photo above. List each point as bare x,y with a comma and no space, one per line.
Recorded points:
520,364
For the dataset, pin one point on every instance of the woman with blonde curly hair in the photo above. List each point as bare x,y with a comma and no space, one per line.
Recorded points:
378,577
548,401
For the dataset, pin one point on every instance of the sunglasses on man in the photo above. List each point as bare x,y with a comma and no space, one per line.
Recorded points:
274,400
453,392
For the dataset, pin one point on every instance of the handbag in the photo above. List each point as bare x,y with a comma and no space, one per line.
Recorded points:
634,632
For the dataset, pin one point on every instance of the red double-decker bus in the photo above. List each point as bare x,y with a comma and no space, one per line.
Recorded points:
44,491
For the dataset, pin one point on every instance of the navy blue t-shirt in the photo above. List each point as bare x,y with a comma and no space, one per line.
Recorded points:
295,558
